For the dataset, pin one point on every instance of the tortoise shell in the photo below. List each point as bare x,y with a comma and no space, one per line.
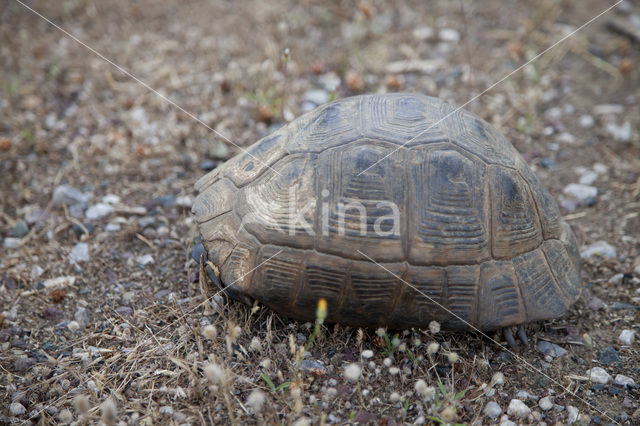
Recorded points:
456,228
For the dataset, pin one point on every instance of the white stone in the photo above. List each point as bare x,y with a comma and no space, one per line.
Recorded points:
450,35
588,178
518,408
68,195
599,375
36,271
572,414
184,201
492,410
145,259
79,253
599,248
545,403
368,353
423,33
316,97
621,132
622,380
586,121
112,227
59,282
16,409
600,168
566,137
11,243
111,199
627,337
329,81
98,211
580,192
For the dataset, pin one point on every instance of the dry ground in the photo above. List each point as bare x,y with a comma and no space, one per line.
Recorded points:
131,333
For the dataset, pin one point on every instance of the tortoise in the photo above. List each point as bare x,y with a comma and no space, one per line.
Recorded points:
397,209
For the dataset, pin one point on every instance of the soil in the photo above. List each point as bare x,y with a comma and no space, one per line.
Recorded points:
122,337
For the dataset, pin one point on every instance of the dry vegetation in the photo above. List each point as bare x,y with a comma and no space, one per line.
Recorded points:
133,334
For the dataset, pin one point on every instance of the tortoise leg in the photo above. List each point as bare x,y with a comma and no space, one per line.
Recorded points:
522,335
509,336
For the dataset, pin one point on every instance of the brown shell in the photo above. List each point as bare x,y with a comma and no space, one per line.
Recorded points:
480,240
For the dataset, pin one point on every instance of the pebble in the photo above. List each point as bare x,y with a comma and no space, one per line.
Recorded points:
551,349
52,312
146,221
609,355
113,227
492,410
616,306
11,243
98,211
124,310
523,394
588,177
608,109
599,375
621,132
70,196
168,200
423,33
566,137
366,354
585,194
518,408
20,229
622,380
595,304
23,364
207,165
627,337
599,248
586,121
449,35
545,403
58,282
316,97
329,81
17,409
144,259
572,414
184,201
111,199
82,317
548,163
35,215
313,367
79,253
219,151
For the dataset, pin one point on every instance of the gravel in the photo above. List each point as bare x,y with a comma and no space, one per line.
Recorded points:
627,337
79,253
599,248
492,410
599,375
545,403
551,349
98,211
518,408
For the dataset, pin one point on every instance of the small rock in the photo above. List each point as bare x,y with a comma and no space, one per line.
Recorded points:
492,410
17,409
622,380
23,364
58,282
207,165
551,349
600,168
82,317
184,201
20,229
609,355
599,375
168,200
583,193
70,196
316,97
548,163
146,221
627,337
423,33
219,151
79,253
313,367
86,228
11,243
545,403
621,132
111,199
566,137
523,394
36,271
518,408
366,354
124,311
98,211
588,177
595,304
113,227
586,121
52,312
599,248
608,109
35,215
144,259
616,279
329,81
449,35
617,306
572,414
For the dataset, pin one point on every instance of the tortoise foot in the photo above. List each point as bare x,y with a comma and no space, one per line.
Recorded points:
520,332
